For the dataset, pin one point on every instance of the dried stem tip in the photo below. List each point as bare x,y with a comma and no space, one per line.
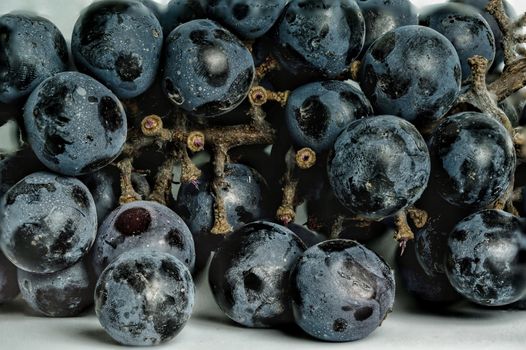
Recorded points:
151,125
305,158
196,141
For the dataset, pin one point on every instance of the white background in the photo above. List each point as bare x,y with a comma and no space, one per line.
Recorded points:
465,327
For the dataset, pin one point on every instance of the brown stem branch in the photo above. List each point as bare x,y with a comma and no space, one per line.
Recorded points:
287,210
403,232
479,96
163,180
221,225
128,193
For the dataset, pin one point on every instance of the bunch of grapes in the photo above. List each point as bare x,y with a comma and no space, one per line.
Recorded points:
152,159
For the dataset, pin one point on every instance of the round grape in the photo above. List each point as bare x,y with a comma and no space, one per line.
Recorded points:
249,19
473,159
316,113
64,293
413,72
208,71
341,291
382,16
319,38
75,125
48,222
485,259
379,166
144,298
142,224
31,50
249,274
467,30
119,43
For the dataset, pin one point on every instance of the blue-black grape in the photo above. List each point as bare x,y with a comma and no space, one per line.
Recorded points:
178,12
245,197
104,186
427,287
142,224
249,274
31,50
413,72
316,113
118,43
341,291
75,125
307,236
14,167
249,19
379,166
485,258
48,222
8,280
64,293
382,16
208,71
319,39
144,298
480,5
467,30
473,159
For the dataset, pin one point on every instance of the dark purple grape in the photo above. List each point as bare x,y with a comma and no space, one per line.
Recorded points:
306,235
473,159
428,287
341,291
249,19
142,224
413,72
8,280
144,298
104,186
119,43
208,71
319,39
14,167
486,258
379,166
480,5
467,30
316,113
245,198
249,274
65,293
75,124
178,12
32,49
48,222
382,16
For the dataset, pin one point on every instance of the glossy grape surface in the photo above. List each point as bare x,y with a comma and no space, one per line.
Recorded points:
379,166
31,50
144,298
142,224
413,72
319,39
208,71
341,291
316,113
119,43
249,274
473,159
48,222
75,124
485,259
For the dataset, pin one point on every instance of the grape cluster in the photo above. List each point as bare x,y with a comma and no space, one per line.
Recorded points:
382,117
